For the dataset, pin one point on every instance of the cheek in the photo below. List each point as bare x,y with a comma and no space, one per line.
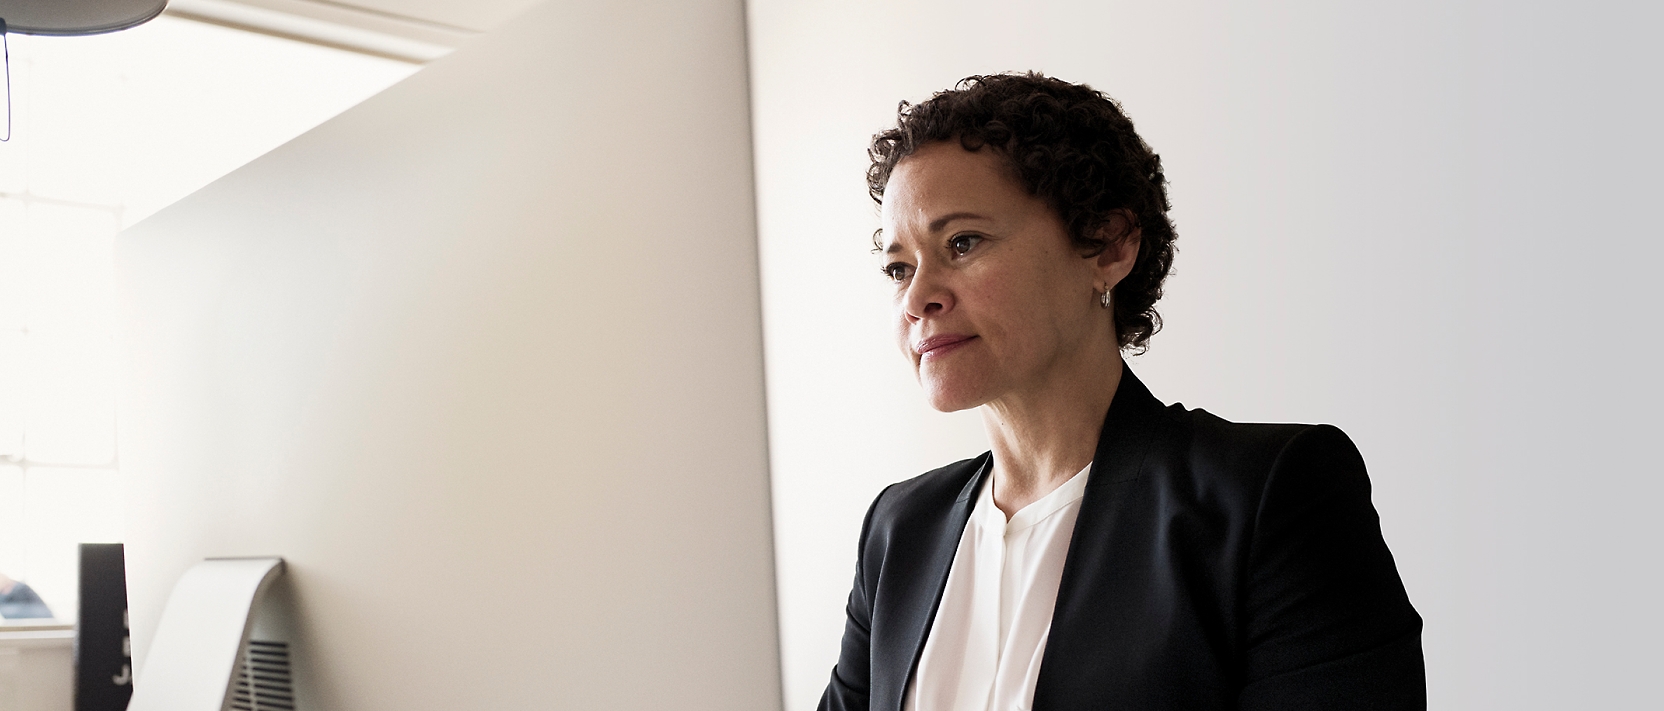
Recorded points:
1001,305
898,325
1025,311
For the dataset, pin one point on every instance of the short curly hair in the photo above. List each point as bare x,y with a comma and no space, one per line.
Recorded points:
1070,145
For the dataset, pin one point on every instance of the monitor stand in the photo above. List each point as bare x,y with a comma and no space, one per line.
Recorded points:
203,657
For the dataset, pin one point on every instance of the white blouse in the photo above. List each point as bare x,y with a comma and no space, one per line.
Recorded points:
984,649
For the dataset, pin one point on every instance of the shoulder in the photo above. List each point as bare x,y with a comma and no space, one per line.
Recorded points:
1245,455
909,518
927,496
1205,436
1239,477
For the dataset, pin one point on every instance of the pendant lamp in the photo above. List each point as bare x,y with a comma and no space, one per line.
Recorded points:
66,17
76,17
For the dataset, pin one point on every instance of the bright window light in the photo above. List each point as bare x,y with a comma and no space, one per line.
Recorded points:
106,131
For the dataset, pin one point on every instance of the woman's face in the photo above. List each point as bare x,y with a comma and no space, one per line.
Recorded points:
992,299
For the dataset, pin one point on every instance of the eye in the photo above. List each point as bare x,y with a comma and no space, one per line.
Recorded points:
960,244
896,271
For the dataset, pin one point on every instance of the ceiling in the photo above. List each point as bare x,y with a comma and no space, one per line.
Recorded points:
468,14
415,31
476,15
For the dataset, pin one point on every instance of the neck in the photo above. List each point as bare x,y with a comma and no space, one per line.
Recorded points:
1043,436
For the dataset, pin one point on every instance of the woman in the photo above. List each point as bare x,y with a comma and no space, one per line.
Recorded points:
1109,552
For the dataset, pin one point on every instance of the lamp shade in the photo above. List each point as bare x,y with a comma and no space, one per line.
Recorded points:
76,17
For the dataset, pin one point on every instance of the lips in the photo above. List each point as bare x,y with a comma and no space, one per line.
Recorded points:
938,346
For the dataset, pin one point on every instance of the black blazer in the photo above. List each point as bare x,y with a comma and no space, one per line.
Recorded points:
1214,565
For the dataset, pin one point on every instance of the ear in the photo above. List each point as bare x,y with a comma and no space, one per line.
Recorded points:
1122,234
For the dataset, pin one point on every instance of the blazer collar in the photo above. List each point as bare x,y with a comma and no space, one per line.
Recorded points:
1100,544
1125,436
1119,457
1122,441
915,601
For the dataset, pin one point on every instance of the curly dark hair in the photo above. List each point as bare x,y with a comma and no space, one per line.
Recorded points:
1070,145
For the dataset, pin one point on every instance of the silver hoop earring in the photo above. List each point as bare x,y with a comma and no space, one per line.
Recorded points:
1106,299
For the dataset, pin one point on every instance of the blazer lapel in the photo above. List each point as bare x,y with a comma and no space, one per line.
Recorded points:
1128,427
913,607
921,565
1108,511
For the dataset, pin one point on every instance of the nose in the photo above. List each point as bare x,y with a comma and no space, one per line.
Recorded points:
925,296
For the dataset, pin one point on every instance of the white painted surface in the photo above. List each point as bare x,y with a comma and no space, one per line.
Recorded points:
37,666
480,358
110,129
1431,223
331,25
394,17
207,618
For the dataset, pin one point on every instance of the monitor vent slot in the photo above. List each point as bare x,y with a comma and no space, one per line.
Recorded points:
263,680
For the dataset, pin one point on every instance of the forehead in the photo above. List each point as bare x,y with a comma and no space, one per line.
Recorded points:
941,180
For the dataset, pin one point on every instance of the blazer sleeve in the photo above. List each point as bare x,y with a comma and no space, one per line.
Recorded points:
1327,623
849,687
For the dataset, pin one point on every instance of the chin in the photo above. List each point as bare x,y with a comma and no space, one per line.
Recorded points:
952,397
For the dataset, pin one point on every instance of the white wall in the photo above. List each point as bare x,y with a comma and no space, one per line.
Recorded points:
1430,223
109,129
481,358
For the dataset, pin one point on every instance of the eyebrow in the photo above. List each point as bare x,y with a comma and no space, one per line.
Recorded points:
937,224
